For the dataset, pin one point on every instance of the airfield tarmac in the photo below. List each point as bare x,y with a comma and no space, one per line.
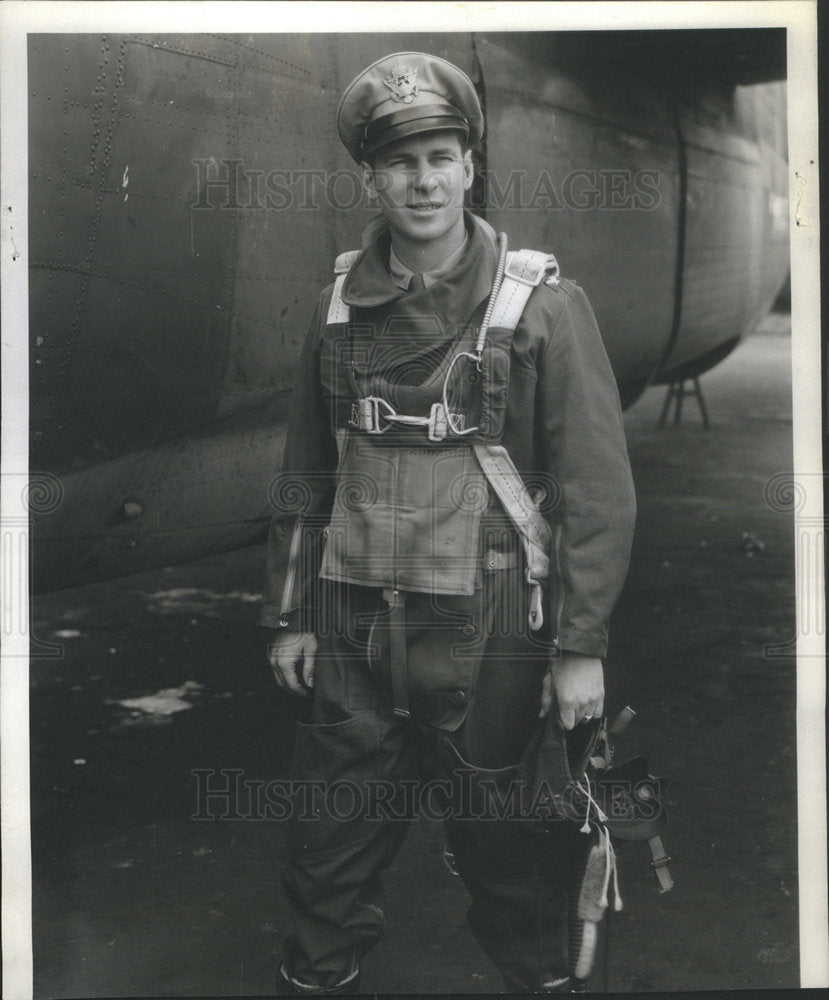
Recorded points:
134,897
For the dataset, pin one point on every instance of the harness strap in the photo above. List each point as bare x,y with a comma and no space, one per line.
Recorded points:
338,311
495,561
524,271
535,533
660,863
344,261
375,415
398,655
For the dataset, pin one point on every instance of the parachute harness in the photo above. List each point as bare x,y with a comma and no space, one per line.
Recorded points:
517,273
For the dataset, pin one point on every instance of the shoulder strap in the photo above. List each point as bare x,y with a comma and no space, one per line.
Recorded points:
338,311
524,271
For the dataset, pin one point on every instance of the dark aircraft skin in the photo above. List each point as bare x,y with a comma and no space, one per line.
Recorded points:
188,195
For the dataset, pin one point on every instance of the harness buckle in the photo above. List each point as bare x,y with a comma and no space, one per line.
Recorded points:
530,268
366,416
536,613
524,271
438,424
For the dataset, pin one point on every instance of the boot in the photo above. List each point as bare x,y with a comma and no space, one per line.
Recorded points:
286,986
563,985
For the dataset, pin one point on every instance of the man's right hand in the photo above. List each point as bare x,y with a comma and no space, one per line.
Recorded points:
289,652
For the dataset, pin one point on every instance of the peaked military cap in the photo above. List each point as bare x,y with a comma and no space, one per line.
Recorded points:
403,94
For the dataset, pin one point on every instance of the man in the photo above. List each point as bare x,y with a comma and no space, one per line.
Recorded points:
404,599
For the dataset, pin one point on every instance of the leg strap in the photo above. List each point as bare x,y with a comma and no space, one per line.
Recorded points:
660,864
397,652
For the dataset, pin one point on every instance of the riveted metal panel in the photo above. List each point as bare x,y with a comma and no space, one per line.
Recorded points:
737,219
585,165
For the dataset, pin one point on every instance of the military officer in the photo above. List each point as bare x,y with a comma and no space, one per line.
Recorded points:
400,584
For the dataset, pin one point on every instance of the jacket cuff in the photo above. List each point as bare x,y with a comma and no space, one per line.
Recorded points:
296,620
269,617
587,643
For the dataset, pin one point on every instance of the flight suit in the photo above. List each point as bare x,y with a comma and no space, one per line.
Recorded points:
384,584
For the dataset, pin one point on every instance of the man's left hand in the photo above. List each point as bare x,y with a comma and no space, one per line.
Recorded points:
578,684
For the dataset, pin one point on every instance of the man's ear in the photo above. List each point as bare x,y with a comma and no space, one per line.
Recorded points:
468,170
367,177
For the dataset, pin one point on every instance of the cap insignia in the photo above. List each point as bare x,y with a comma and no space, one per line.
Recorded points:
402,82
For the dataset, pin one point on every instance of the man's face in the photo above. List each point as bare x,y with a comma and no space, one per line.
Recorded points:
420,183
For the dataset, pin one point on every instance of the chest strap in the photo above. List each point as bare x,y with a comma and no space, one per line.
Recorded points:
375,415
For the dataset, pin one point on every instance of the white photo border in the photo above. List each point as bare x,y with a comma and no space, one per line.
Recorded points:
18,19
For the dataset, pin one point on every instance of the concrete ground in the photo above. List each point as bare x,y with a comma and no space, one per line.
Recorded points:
133,896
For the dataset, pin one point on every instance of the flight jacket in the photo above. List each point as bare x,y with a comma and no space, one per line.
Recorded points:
562,425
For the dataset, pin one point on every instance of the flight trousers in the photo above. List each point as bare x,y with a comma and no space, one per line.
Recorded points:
363,772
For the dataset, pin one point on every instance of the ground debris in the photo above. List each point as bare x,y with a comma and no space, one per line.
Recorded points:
195,599
752,545
165,702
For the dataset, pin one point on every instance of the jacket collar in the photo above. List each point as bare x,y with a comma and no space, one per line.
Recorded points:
402,275
454,296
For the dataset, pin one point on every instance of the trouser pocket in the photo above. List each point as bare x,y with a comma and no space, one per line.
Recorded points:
517,876
340,838
346,781
330,765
